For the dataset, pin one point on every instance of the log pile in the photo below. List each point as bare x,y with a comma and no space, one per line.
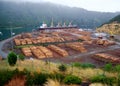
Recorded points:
17,42
38,53
28,41
104,42
106,58
85,38
46,51
27,52
23,42
76,46
58,50
58,39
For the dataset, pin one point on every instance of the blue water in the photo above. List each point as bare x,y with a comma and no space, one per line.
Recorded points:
6,31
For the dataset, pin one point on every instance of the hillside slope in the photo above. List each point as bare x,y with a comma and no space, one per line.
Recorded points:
33,14
111,27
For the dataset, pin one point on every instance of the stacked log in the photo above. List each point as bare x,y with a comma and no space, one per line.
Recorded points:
23,42
33,48
58,50
104,42
38,53
106,58
100,42
46,51
77,47
47,39
86,38
34,41
58,39
28,41
17,42
27,52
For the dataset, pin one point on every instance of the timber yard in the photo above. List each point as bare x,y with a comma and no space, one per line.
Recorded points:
64,44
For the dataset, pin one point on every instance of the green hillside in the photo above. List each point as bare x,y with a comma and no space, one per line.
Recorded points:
115,19
111,27
33,14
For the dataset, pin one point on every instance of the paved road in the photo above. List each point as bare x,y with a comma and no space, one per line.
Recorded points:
96,51
2,53
86,54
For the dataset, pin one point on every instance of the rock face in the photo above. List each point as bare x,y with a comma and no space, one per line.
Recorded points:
111,28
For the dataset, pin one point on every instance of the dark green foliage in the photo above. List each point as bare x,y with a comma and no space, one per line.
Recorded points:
115,19
70,79
117,68
118,81
12,58
36,79
62,68
108,67
5,76
21,57
31,14
103,79
83,65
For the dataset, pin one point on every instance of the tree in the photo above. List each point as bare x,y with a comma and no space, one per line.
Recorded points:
12,58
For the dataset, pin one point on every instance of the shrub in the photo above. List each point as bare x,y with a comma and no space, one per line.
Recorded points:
70,79
21,57
87,65
103,79
12,58
117,68
76,64
5,76
62,68
83,65
108,67
118,81
36,79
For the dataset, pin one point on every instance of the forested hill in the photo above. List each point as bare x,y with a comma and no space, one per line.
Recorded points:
33,14
111,27
115,19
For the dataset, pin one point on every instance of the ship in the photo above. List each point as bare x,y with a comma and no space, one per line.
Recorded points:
58,26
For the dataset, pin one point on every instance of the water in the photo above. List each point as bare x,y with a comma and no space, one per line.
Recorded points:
6,31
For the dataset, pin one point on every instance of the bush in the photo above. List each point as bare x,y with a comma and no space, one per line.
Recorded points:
12,58
70,79
103,79
36,79
117,68
21,57
83,65
5,76
108,67
118,81
62,68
